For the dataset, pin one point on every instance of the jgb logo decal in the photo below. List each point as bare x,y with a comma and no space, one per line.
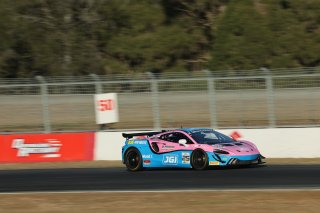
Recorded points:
170,159
49,148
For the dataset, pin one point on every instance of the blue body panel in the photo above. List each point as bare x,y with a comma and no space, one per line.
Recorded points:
225,159
179,159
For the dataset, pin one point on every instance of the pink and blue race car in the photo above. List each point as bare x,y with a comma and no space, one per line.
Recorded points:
197,148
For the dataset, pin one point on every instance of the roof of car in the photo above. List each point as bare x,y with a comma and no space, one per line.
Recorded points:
190,130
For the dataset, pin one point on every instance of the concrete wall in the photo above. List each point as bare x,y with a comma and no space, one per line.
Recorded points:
108,145
284,142
273,143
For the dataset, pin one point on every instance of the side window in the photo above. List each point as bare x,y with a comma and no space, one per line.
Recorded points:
175,137
171,137
182,136
164,137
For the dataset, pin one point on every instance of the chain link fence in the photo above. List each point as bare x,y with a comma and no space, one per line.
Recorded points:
242,99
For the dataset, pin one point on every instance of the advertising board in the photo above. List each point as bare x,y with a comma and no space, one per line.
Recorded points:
46,147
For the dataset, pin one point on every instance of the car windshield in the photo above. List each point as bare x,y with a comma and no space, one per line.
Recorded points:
209,136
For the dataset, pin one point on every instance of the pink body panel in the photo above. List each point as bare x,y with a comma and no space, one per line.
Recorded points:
238,148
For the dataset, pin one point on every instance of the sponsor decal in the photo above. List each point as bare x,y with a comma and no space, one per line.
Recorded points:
167,147
170,159
213,163
49,148
139,142
146,156
185,157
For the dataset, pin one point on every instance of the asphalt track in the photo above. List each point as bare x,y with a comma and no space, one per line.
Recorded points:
118,179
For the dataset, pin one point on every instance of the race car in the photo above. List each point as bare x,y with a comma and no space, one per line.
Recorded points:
197,148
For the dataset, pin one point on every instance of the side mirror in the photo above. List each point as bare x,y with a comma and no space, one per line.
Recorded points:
183,141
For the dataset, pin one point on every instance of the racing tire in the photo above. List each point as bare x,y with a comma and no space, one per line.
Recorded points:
199,160
133,160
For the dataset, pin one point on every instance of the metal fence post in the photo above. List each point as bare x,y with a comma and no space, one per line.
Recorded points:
155,102
270,97
45,104
98,90
97,83
212,101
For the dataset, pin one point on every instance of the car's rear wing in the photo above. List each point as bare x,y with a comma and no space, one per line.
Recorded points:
131,135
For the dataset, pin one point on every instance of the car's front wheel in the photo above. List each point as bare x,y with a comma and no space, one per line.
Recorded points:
133,160
199,159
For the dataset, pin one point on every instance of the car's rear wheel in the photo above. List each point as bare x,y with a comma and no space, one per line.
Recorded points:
199,159
133,160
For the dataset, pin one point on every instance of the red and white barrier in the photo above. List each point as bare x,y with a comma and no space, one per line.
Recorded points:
273,143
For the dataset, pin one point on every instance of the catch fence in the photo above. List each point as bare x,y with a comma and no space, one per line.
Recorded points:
227,99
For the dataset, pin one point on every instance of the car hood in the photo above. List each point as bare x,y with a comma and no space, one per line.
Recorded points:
237,148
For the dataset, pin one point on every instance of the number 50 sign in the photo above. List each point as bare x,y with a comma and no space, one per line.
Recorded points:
106,107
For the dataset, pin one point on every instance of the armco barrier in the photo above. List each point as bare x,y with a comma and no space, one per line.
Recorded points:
46,147
273,143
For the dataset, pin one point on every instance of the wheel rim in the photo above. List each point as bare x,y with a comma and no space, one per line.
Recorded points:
133,160
199,160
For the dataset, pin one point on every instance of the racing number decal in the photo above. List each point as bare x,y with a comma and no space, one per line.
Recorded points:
105,105
170,159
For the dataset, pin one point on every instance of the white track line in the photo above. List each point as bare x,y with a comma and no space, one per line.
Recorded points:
165,191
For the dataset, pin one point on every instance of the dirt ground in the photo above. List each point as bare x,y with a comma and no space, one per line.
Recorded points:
240,202
105,164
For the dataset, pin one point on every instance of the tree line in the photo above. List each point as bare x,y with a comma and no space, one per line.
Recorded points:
105,37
